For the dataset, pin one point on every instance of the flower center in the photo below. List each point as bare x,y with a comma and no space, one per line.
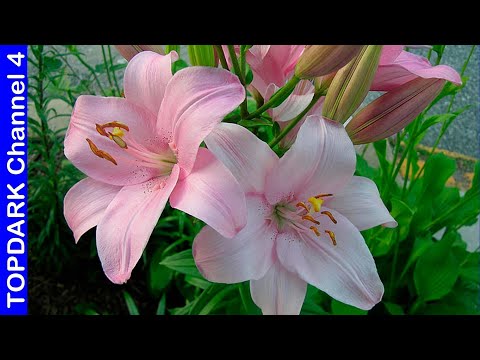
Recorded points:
300,216
117,132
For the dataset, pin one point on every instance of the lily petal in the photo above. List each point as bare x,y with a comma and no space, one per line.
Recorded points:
146,78
361,204
247,256
128,222
246,156
408,66
196,99
346,271
322,159
294,104
91,110
390,53
279,292
85,204
211,193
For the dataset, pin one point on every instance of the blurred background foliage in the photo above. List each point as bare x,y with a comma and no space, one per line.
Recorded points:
424,264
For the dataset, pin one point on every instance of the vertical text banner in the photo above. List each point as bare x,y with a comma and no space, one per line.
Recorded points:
13,180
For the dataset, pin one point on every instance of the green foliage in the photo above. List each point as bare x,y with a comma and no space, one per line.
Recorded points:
423,263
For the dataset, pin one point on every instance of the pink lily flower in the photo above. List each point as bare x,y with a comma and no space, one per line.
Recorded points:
270,64
143,149
305,211
398,67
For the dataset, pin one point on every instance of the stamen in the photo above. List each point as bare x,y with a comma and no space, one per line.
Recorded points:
302,205
322,195
315,230
332,237
316,203
310,218
107,156
329,214
114,124
100,153
100,130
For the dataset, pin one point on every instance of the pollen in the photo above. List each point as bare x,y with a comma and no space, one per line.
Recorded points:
329,214
117,132
316,203
332,237
311,219
315,230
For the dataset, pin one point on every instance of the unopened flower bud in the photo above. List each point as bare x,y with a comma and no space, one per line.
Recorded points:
351,84
322,83
202,55
319,60
394,110
129,51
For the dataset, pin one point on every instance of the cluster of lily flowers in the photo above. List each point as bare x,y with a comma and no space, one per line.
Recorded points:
279,222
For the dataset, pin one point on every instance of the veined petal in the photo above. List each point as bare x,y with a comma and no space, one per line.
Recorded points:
146,78
246,156
390,53
294,104
211,193
196,99
361,204
408,66
247,256
92,110
128,222
322,159
85,204
279,292
346,271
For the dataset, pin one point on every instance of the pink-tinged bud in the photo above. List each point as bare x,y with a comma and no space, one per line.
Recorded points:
129,51
319,60
351,84
394,110
322,83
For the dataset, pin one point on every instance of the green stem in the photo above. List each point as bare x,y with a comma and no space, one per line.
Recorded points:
105,62
411,146
445,125
394,265
113,70
221,56
294,121
236,68
92,71
280,94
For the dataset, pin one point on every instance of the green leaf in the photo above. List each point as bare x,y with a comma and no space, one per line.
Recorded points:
52,63
402,213
311,308
132,308
182,262
255,123
363,169
210,298
339,308
178,65
436,271
197,282
393,309
381,150
161,305
247,302
438,169
159,275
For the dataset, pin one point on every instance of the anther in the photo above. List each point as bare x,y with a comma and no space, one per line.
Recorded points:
116,124
302,205
329,214
316,203
322,195
101,130
310,218
332,237
107,156
93,147
315,230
